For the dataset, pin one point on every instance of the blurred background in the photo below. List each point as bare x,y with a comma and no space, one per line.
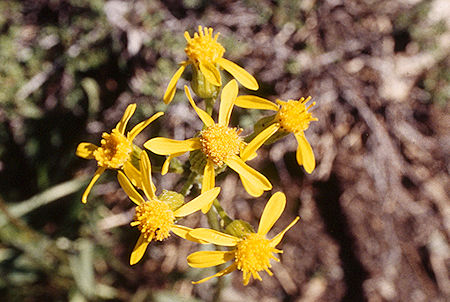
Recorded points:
375,214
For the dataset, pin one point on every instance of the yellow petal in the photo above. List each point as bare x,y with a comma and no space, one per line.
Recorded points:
239,73
305,154
129,189
251,189
209,258
205,117
197,203
255,102
211,73
183,232
132,174
122,124
251,175
139,250
223,272
214,237
86,150
272,211
146,174
166,146
258,141
209,179
229,94
171,88
94,179
275,240
165,166
141,126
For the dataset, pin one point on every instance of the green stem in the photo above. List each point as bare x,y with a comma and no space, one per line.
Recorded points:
209,106
225,218
213,219
188,184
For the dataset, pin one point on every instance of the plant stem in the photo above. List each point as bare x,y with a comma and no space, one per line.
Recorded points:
226,219
209,106
188,184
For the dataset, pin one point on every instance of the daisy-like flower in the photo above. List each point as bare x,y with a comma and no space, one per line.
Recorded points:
205,54
250,253
291,117
115,151
220,144
156,218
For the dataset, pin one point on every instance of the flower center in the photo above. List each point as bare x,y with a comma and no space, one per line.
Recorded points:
114,151
293,116
154,219
253,254
203,46
220,142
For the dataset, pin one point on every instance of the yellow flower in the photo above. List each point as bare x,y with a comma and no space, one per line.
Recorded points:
220,144
154,217
251,253
205,54
291,117
115,150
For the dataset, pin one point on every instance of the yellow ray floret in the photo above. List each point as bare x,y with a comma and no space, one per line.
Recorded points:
251,253
156,218
220,144
205,55
115,149
291,117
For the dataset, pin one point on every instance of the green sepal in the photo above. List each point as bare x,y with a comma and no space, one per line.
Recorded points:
202,87
173,199
135,156
239,228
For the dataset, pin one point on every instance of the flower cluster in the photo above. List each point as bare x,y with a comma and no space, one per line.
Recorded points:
216,147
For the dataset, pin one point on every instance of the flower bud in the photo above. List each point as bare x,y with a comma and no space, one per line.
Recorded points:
201,86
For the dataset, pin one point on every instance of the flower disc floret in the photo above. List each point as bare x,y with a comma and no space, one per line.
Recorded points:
253,254
203,46
154,219
114,151
220,142
293,116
